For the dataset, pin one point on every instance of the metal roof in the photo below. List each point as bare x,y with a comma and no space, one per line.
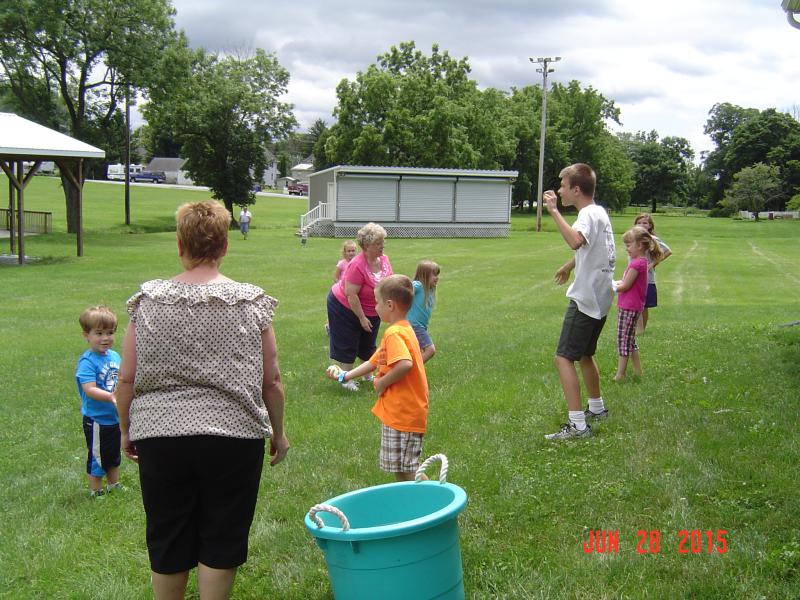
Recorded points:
421,171
20,137
163,163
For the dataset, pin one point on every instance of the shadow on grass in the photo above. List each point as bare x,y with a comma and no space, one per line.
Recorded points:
158,225
36,261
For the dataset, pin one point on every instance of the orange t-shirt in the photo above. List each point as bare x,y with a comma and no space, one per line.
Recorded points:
403,405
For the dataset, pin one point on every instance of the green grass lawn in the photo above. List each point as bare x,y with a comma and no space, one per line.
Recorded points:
707,440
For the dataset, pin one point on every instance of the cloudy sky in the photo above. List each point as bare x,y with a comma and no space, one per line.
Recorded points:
664,63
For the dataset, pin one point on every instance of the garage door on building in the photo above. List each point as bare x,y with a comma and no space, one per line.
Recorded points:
358,196
426,199
485,201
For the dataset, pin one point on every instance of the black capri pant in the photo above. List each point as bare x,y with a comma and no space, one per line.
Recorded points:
199,495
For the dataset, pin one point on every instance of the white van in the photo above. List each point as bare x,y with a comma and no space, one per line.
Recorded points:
117,172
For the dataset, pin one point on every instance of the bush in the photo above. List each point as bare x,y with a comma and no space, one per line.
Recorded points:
721,210
794,203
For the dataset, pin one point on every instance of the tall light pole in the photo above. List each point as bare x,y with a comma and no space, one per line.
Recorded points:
544,70
127,154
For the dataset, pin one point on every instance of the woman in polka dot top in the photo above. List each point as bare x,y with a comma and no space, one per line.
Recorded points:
199,391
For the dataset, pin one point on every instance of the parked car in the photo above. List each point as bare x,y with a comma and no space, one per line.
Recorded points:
151,176
298,189
117,172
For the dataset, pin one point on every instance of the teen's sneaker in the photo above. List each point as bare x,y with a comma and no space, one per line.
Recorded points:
95,494
115,487
350,385
596,416
569,431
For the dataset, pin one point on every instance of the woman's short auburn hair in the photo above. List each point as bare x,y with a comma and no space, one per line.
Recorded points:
202,228
369,234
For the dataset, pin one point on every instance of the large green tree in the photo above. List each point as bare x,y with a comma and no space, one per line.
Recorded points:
524,113
754,188
576,131
225,112
771,138
413,109
615,172
745,137
75,58
580,133
662,168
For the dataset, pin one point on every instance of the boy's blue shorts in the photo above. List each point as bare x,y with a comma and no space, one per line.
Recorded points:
103,444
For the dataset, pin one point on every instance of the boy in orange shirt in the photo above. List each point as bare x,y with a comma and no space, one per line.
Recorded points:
401,383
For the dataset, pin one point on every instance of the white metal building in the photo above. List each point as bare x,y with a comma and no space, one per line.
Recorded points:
409,202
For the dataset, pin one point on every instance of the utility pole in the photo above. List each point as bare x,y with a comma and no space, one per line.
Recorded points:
127,154
544,70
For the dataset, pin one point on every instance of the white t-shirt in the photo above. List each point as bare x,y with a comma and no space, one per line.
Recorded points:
244,216
594,263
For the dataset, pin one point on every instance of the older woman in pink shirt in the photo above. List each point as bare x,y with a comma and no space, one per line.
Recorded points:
353,320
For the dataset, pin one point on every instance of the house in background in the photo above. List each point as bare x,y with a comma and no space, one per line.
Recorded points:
270,178
303,170
409,202
175,173
173,169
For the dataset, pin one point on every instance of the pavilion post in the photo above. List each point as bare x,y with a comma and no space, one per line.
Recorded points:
12,192
20,216
79,183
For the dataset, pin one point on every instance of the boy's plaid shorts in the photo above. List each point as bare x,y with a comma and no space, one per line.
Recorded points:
400,450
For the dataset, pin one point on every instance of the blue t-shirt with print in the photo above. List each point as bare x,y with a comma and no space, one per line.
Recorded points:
102,369
420,312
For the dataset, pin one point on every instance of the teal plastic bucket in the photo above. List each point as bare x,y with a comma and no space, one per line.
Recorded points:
393,541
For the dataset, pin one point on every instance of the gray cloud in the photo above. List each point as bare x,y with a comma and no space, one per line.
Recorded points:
663,67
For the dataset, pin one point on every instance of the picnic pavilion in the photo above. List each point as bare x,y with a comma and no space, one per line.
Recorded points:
23,141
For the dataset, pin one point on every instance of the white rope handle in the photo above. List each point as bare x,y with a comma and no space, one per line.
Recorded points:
331,509
442,472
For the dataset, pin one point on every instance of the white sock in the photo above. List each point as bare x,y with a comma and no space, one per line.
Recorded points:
577,418
596,405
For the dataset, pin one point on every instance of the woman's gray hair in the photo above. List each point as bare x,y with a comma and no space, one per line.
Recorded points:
369,234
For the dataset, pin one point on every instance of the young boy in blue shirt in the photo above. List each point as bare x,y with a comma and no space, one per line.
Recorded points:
96,377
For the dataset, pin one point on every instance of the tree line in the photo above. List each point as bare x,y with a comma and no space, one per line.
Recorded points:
72,67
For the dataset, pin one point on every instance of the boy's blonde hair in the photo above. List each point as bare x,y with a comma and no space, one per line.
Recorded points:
582,175
426,269
202,228
640,235
398,289
98,317
345,246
